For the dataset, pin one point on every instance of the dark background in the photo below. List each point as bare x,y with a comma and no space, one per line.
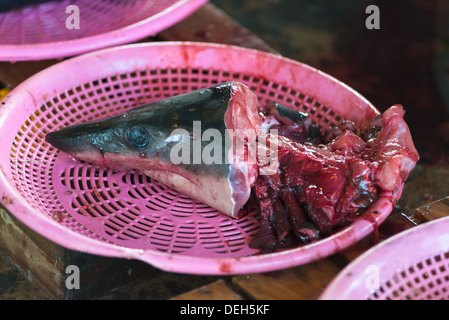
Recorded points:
397,63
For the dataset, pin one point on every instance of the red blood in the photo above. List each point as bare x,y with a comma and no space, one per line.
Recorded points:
322,187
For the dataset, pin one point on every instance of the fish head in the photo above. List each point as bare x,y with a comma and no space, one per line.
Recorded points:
142,137
167,139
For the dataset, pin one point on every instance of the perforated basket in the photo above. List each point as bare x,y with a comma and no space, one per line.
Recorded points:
126,214
412,265
40,31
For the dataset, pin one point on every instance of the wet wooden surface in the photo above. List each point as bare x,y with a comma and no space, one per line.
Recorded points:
395,64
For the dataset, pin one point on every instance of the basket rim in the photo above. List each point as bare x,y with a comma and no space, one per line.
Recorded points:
345,285
127,34
50,229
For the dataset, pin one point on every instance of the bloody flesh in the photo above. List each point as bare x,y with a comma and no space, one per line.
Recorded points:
327,184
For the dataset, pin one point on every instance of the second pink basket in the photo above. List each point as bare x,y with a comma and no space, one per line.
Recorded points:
412,265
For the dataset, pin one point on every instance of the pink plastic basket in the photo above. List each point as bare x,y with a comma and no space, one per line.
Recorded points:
126,214
412,265
39,31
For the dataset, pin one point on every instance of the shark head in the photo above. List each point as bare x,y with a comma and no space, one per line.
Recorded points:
144,137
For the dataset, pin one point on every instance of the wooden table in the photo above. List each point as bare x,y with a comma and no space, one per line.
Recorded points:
31,267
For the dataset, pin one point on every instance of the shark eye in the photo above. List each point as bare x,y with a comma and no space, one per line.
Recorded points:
138,136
